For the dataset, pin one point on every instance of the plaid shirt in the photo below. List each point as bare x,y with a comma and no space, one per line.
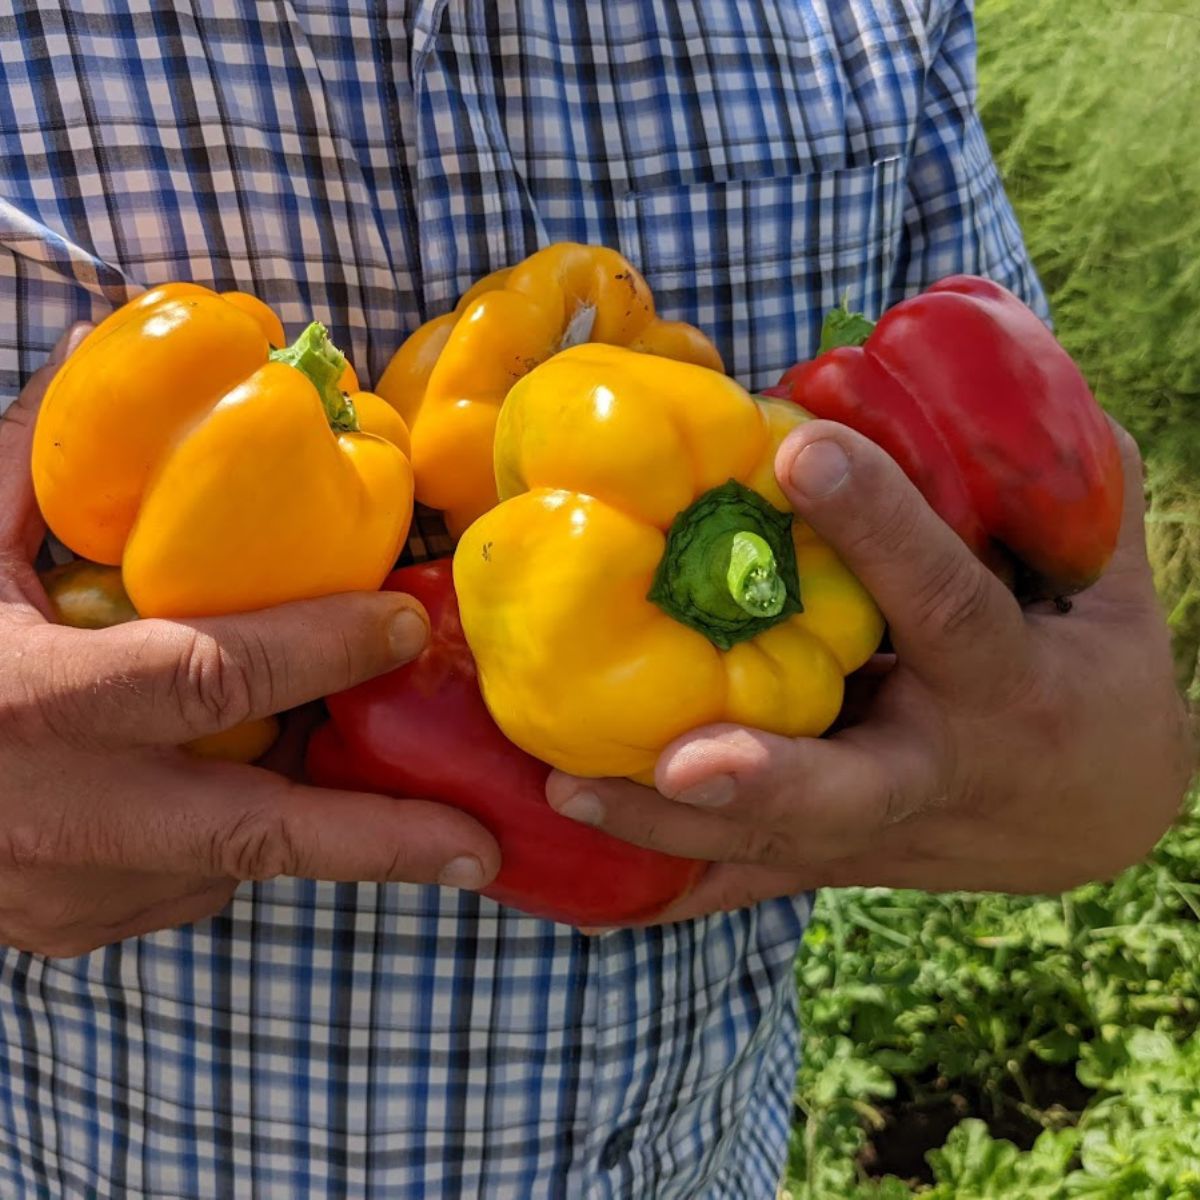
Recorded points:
362,162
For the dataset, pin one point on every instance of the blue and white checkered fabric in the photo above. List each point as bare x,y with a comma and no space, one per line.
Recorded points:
362,162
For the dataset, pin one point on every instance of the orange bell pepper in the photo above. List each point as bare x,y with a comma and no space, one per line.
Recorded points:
406,376
221,474
452,375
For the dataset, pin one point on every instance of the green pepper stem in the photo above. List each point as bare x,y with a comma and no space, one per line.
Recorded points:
729,566
753,576
842,327
315,356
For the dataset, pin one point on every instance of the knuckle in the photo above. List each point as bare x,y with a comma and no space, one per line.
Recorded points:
28,848
653,835
211,686
258,846
768,847
401,867
954,595
30,700
890,531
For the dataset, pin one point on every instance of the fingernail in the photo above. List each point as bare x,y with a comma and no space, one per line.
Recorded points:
67,343
465,872
584,807
77,334
712,793
408,633
597,930
820,468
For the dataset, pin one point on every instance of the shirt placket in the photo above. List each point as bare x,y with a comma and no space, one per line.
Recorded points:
470,202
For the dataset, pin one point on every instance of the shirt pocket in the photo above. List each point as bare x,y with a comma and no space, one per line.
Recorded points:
757,263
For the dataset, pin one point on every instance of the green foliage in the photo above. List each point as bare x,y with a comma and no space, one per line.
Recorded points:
971,1048
1090,106
1068,1022
975,1166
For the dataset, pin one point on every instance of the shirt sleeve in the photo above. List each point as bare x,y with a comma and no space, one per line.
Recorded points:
957,217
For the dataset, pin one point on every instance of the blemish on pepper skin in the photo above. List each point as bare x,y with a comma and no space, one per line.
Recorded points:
487,551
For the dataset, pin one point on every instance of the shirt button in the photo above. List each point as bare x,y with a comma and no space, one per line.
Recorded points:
617,1146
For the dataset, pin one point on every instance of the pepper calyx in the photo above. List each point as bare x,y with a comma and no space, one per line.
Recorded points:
842,327
729,567
315,356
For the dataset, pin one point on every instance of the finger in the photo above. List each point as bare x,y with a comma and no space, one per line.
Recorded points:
739,796
641,816
952,621
21,528
726,888
1129,570
74,898
735,795
181,680
833,795
171,913
173,814
176,906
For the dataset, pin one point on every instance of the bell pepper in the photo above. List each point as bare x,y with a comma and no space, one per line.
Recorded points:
563,295
643,574
988,415
87,595
406,376
423,731
222,475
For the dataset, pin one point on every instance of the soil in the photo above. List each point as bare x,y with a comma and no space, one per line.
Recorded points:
920,1120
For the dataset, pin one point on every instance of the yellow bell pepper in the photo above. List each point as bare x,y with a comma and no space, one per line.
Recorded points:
86,595
643,574
561,296
221,474
406,376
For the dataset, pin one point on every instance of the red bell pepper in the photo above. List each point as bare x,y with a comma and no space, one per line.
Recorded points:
991,419
423,731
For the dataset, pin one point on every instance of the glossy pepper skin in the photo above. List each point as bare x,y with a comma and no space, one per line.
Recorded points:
988,415
87,595
221,474
643,575
562,295
406,376
423,730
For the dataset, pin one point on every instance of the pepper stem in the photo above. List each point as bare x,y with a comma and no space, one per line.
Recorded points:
729,567
315,356
842,327
753,576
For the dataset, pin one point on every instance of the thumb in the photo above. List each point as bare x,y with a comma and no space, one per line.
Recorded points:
952,621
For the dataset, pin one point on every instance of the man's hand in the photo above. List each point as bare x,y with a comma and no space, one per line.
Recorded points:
107,829
1004,749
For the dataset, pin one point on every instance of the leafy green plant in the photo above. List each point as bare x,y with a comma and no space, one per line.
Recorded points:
1090,108
1002,1046
979,1047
